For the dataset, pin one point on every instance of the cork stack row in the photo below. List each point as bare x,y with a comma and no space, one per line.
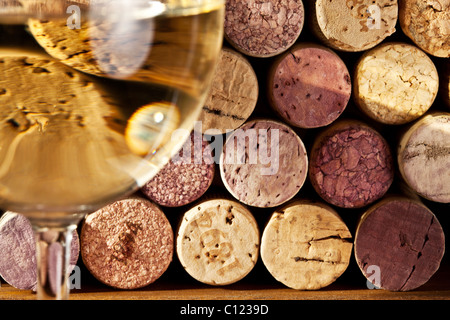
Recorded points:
313,112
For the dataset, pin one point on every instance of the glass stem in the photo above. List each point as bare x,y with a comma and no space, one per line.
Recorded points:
53,257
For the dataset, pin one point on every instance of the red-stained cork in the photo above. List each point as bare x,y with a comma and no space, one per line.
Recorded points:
263,29
309,86
351,165
127,244
399,244
18,252
185,178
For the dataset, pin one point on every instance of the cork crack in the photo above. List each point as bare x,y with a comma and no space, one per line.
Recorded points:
419,254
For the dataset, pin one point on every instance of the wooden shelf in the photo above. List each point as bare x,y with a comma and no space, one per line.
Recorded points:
174,285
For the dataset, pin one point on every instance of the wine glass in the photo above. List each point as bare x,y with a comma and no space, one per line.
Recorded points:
96,96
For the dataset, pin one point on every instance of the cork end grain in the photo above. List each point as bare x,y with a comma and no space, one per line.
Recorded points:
353,26
395,83
351,165
127,244
427,24
405,252
186,177
309,86
263,29
218,241
263,163
18,248
306,245
424,157
233,94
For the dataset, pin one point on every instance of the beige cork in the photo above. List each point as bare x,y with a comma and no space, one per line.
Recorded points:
395,83
233,94
306,245
427,23
424,157
263,163
353,26
218,241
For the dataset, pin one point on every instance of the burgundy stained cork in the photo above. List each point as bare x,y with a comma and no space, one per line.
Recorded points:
309,86
263,163
186,177
351,165
18,251
263,29
127,244
399,244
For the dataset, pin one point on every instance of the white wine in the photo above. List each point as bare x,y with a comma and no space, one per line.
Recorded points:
109,96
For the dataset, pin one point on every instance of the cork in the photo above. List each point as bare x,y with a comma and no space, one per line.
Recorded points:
353,26
263,163
127,244
233,94
351,164
18,246
186,177
395,83
306,245
309,86
423,156
263,29
218,241
399,244
91,137
426,23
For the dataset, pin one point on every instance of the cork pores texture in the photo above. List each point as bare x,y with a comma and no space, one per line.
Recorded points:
353,26
397,253
351,165
127,244
218,241
186,177
423,157
395,83
427,24
233,94
306,245
18,251
263,29
309,86
263,163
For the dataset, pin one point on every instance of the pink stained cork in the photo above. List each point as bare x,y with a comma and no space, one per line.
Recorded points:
186,177
18,251
127,244
263,163
351,165
263,29
309,86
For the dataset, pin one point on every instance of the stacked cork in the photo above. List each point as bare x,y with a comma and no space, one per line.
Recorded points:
324,148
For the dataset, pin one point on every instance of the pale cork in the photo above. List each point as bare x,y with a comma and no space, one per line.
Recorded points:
353,26
427,24
395,83
306,245
263,163
232,96
218,241
423,157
